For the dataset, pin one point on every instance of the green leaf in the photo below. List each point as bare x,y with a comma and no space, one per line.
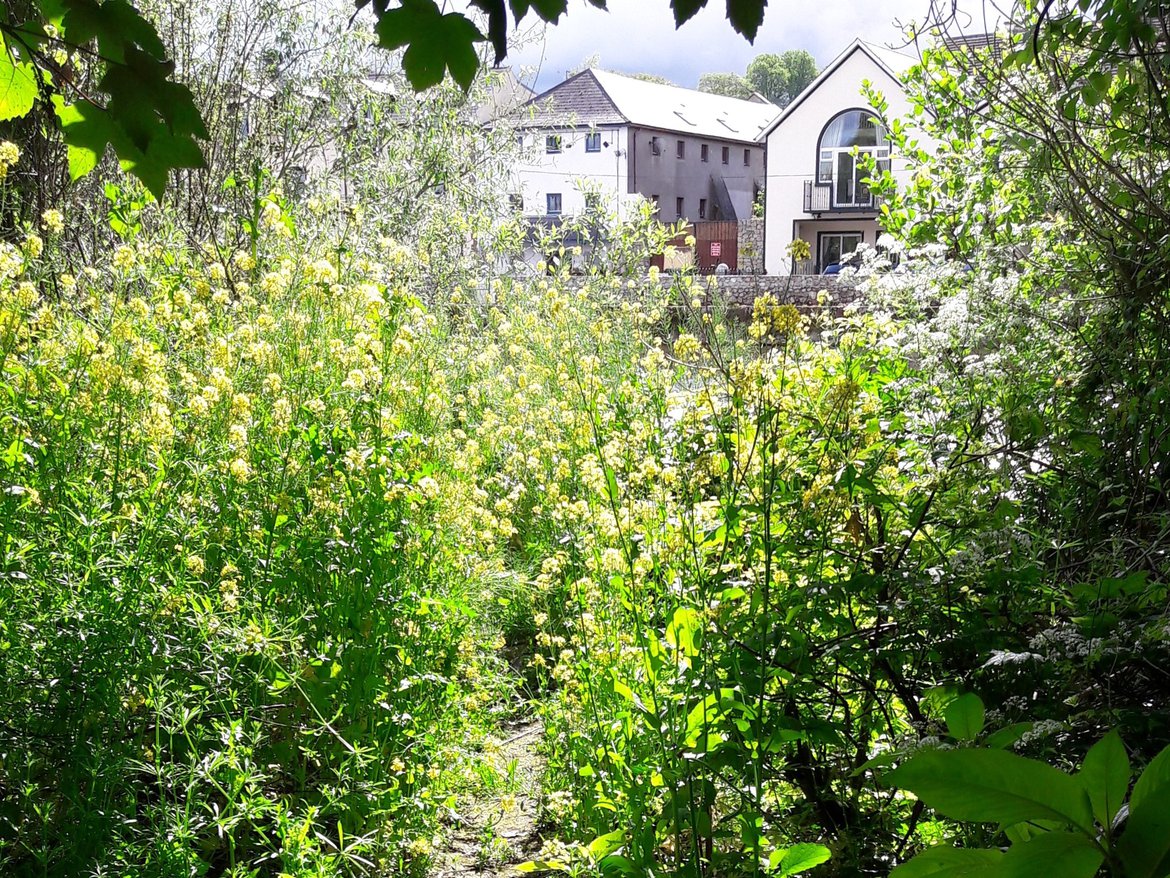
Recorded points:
801,857
1007,736
993,786
18,85
944,861
1144,846
683,631
604,845
434,42
1067,854
964,717
685,10
87,130
746,16
1105,776
1155,777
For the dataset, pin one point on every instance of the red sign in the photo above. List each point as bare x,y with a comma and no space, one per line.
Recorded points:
716,248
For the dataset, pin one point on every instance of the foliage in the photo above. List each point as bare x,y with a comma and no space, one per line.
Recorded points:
1074,824
729,85
780,78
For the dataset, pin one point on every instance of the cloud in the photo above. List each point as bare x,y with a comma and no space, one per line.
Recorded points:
638,36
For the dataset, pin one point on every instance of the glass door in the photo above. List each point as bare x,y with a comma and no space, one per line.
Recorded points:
837,245
845,180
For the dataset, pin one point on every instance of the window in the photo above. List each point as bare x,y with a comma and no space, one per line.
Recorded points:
654,201
593,142
835,246
726,155
703,152
655,146
552,143
553,203
747,158
516,202
702,208
849,138
520,141
680,149
678,207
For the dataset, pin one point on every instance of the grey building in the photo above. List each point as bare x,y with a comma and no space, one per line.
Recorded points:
698,156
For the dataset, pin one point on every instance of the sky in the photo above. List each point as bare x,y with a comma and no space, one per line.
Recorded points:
638,36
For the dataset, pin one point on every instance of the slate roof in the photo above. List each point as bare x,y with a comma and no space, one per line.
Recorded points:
599,97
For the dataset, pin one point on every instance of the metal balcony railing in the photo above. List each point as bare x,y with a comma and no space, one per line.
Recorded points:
826,199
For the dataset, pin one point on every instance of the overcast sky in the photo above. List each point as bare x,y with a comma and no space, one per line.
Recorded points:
638,36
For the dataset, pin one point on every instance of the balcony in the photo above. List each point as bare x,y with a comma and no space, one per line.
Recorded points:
838,197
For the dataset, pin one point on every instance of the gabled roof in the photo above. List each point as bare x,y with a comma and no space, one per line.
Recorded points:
889,61
599,97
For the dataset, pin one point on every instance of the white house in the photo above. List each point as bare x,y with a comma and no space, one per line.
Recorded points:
814,189
698,156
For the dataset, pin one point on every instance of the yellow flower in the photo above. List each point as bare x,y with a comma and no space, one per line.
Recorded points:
53,221
34,246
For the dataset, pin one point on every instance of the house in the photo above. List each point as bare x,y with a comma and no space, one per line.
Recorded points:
814,179
603,135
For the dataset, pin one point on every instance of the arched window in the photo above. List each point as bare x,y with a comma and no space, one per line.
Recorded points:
845,140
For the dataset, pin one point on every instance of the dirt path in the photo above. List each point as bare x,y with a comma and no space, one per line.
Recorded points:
498,830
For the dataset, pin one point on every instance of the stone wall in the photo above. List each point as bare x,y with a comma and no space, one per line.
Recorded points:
741,291
751,245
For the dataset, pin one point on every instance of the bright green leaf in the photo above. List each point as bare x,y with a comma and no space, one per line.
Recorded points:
944,861
1067,854
1144,845
1105,776
964,717
993,786
801,857
18,86
1155,777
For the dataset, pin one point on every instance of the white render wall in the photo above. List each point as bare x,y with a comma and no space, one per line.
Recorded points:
792,156
538,173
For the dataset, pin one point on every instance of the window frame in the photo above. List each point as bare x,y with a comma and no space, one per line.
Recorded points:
702,208
747,157
726,155
704,152
593,141
680,149
680,204
548,204
553,144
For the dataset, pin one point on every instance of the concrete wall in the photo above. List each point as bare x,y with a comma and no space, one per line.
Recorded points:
539,172
689,178
792,158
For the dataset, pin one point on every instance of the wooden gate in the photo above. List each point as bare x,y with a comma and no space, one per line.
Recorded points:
715,243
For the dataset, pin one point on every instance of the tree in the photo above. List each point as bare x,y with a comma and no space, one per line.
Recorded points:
651,77
780,78
729,85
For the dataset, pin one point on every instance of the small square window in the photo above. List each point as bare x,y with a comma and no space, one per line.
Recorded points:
680,149
593,142
702,208
553,203
678,207
747,157
726,154
703,152
552,143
